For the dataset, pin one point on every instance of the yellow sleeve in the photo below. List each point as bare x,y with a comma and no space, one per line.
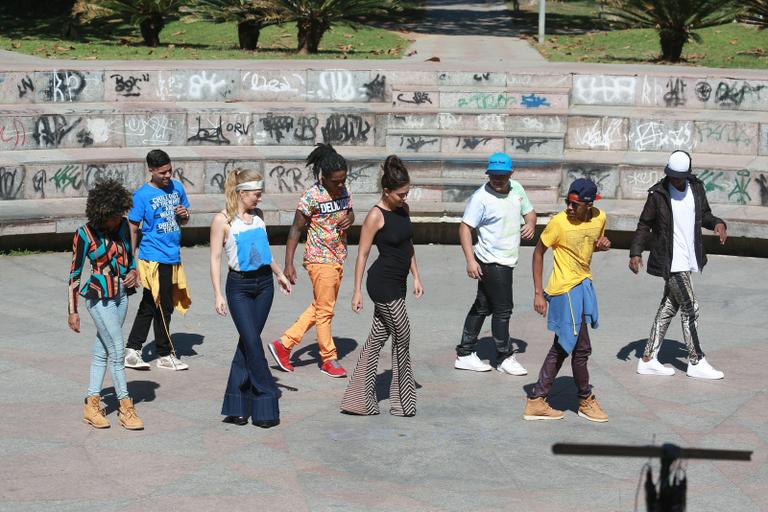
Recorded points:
551,234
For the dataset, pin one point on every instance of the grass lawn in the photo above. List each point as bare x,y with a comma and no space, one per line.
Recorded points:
199,40
577,33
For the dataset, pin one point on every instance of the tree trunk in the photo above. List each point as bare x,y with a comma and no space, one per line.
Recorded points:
248,34
150,30
310,32
672,42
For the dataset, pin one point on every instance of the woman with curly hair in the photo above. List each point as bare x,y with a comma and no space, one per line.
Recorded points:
105,242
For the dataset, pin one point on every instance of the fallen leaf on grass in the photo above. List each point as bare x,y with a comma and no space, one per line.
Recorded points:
733,41
16,45
694,56
178,33
754,51
348,36
90,57
432,59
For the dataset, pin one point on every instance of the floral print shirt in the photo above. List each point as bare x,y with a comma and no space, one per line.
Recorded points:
326,243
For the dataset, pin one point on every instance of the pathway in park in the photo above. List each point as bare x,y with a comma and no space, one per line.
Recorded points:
480,32
467,448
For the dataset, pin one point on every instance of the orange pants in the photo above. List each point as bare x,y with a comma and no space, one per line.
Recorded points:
326,280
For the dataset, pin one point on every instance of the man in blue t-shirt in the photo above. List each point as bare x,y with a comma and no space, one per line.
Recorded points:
160,207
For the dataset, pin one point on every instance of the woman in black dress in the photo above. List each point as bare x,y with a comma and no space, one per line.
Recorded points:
388,225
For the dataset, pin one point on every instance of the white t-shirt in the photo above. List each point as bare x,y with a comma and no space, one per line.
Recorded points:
684,222
497,219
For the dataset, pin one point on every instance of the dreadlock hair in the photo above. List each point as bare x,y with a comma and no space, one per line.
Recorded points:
394,174
234,178
324,159
107,199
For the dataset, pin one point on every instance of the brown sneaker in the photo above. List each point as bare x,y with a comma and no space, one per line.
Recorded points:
93,414
590,409
128,417
539,409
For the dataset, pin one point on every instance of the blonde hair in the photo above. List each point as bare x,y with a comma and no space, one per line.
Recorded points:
234,178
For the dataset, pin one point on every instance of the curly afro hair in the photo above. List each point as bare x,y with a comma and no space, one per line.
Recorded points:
106,200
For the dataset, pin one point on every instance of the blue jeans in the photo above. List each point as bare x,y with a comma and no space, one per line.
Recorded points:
251,389
108,315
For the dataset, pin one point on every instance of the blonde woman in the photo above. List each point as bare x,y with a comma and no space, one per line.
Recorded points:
240,231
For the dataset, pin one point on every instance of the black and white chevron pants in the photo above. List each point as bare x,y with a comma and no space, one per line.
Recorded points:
678,296
389,319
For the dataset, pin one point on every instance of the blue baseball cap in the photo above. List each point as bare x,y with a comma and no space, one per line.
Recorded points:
499,163
583,190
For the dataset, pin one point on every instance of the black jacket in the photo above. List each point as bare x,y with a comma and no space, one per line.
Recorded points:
655,229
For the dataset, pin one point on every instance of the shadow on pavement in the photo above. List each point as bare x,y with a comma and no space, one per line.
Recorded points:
139,390
562,396
344,346
486,348
672,352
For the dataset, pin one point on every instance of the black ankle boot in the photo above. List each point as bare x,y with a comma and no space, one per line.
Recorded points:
236,420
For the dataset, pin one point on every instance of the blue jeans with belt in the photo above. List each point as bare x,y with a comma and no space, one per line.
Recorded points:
108,315
251,389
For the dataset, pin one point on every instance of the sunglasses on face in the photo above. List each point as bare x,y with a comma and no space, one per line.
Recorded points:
571,202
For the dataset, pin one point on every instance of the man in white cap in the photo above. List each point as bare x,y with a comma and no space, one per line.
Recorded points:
670,227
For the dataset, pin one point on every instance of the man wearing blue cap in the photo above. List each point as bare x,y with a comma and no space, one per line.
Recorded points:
501,214
670,225
573,235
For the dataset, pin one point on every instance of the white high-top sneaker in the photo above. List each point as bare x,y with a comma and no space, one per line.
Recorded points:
653,367
704,370
512,366
471,362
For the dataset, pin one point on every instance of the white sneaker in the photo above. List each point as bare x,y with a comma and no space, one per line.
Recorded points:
133,360
171,363
653,367
704,370
471,362
512,367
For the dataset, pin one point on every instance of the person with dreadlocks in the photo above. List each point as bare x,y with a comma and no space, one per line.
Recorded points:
105,242
239,231
325,209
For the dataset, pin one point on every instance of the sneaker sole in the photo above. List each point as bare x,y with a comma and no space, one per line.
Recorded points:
528,417
136,367
591,418
333,376
472,369
173,368
277,359
704,378
655,372
510,373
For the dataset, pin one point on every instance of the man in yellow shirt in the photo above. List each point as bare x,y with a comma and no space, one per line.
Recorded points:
573,234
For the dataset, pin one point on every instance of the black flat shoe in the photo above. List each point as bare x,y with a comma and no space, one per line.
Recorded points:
236,420
266,423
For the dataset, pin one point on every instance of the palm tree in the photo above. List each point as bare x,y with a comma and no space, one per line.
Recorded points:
314,17
674,20
149,15
756,13
250,15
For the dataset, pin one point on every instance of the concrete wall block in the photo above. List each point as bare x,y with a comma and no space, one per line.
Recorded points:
155,129
397,78
12,181
422,98
524,146
597,133
540,176
534,124
726,137
380,130
130,86
287,177
216,173
51,131
343,85
413,143
220,129
412,122
543,196
539,101
68,179
536,80
16,132
273,85
728,94
669,92
451,121
457,193
478,100
603,90
734,187
660,135
425,193
605,176
69,86
363,177
425,169
635,181
477,144
191,174
197,85
466,169
472,79
347,129
16,88
278,128
763,145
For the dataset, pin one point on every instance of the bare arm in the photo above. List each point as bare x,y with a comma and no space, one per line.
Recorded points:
418,288
465,239
300,222
539,302
218,232
529,228
373,222
134,229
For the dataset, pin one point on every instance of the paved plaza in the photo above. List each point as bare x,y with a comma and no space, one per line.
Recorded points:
468,447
